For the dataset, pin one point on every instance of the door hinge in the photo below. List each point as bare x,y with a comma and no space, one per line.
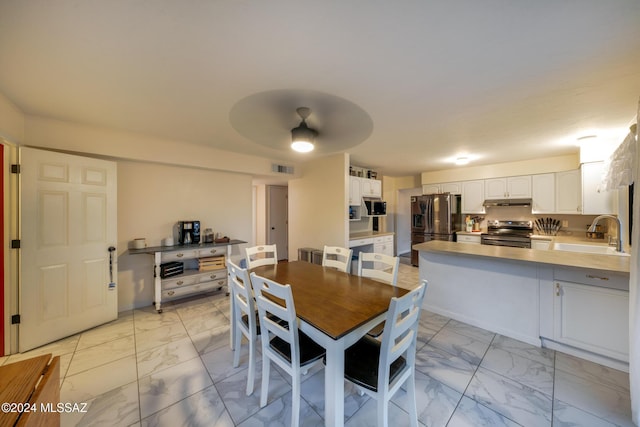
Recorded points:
15,244
15,319
15,168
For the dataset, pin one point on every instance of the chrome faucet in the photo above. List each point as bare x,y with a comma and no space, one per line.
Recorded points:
592,228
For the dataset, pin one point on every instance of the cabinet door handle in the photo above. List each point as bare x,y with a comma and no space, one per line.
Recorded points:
557,289
591,276
179,255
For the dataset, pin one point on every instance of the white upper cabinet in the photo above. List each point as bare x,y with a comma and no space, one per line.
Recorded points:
430,188
355,193
568,192
543,193
473,196
446,187
371,187
514,187
596,201
451,187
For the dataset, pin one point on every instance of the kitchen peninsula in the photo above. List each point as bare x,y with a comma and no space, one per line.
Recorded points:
569,301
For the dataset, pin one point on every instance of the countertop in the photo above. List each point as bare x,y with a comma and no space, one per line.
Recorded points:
153,249
368,234
561,258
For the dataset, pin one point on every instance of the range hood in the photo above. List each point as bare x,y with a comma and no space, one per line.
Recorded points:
506,202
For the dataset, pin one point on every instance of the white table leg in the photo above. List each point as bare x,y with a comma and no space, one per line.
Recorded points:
334,384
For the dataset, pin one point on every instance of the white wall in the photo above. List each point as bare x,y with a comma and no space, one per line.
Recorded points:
11,121
318,205
152,198
77,138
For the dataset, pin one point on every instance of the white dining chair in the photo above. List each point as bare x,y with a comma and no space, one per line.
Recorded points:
261,255
282,342
337,257
380,267
380,368
245,318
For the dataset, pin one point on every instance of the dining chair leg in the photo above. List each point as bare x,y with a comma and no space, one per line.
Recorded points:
237,347
383,410
265,381
295,400
411,394
252,367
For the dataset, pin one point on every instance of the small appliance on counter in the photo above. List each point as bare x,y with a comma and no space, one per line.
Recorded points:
188,232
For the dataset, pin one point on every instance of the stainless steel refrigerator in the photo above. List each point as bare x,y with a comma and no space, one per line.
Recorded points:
434,217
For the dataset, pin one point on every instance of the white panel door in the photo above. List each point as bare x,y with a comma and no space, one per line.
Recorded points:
278,220
68,222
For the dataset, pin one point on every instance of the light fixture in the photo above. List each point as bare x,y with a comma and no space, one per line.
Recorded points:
302,137
462,161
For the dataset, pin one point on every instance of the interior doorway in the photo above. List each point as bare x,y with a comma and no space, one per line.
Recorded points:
278,219
403,219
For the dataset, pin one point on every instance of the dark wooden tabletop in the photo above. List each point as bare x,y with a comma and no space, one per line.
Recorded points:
332,301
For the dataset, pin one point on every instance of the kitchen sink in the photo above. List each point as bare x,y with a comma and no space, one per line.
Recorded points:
590,249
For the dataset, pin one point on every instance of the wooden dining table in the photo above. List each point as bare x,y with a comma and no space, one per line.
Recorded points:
335,309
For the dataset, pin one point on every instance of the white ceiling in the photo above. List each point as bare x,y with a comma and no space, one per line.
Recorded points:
502,80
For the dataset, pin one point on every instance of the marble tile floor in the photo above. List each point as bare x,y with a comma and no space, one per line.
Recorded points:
175,368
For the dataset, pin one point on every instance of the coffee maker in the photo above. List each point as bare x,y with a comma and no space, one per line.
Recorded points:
188,232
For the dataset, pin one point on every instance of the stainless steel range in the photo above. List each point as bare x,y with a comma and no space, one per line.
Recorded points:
516,234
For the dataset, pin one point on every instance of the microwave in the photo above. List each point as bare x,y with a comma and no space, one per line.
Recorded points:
375,207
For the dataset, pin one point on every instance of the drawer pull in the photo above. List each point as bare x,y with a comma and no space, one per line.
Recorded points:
213,251
220,282
179,255
591,276
179,282
213,276
170,293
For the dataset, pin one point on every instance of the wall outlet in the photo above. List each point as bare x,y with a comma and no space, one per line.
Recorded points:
565,223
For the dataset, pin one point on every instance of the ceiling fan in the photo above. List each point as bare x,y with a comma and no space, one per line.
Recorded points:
303,137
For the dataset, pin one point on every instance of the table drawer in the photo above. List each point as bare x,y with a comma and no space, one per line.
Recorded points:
212,275
360,242
188,290
179,282
207,252
180,255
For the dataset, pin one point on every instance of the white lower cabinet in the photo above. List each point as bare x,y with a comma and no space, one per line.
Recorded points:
468,238
383,245
590,314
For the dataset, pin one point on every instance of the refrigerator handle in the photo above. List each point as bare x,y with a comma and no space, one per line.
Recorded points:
430,222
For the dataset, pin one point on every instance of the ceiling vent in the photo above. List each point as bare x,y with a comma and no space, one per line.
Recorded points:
282,169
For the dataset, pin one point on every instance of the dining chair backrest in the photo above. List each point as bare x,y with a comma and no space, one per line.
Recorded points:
337,257
261,255
276,319
243,318
400,332
379,266
242,293
282,343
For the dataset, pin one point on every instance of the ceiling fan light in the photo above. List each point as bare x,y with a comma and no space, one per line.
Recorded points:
302,138
302,146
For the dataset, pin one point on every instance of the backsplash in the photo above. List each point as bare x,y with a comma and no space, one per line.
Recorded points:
577,223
